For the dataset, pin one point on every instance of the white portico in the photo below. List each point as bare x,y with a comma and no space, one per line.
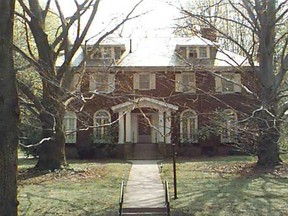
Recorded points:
144,120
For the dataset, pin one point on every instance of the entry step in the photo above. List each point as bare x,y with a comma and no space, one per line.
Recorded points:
144,211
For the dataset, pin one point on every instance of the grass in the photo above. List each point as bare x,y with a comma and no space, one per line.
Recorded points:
86,188
227,186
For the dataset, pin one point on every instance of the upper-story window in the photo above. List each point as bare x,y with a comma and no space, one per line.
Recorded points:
108,52
194,52
203,52
144,81
185,82
102,82
228,83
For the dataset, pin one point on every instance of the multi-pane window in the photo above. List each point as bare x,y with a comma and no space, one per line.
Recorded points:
188,82
70,127
182,51
102,82
188,126
203,52
102,126
107,52
118,52
144,81
185,82
228,83
229,119
194,52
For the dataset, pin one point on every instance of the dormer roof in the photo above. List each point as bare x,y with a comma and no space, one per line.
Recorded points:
161,52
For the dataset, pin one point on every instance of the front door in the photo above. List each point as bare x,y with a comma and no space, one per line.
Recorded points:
144,129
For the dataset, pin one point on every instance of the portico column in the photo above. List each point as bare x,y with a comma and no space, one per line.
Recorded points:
128,127
168,127
121,128
161,127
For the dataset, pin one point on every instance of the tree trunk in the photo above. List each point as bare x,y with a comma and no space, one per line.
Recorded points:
268,149
9,114
52,152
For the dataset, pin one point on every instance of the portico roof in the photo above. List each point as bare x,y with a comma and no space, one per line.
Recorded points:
144,102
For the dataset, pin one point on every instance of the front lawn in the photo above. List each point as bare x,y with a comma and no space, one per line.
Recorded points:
85,188
227,186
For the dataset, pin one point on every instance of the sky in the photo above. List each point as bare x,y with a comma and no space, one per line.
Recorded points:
157,20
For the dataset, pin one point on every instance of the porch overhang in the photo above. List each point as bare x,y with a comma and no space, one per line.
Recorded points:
144,102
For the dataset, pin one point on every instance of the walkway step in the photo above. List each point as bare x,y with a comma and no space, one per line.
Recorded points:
144,211
144,187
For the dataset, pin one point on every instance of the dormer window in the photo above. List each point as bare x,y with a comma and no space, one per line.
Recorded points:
203,52
194,52
107,52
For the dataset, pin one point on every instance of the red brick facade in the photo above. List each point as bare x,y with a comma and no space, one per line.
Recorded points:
164,107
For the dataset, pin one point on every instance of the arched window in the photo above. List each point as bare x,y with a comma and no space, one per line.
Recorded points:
228,127
188,126
70,126
102,121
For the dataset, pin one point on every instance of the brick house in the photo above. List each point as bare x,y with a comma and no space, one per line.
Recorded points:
138,96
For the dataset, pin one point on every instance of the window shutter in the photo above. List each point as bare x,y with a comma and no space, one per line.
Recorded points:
178,82
152,81
111,82
218,84
192,83
237,79
92,82
76,83
136,81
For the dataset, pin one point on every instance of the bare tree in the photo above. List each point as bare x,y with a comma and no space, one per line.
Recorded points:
262,20
9,113
59,83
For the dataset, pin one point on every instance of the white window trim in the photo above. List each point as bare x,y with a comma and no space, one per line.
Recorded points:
197,51
102,127
236,83
152,80
195,117
230,138
110,84
70,134
179,87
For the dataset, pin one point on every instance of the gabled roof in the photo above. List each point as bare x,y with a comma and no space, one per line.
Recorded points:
144,102
160,52
110,41
76,60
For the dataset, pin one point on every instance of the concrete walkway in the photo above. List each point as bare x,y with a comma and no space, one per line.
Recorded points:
144,187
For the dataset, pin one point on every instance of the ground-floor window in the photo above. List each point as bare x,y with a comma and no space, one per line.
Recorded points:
228,126
188,126
102,120
70,126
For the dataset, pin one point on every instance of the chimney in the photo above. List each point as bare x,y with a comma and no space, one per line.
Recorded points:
209,33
